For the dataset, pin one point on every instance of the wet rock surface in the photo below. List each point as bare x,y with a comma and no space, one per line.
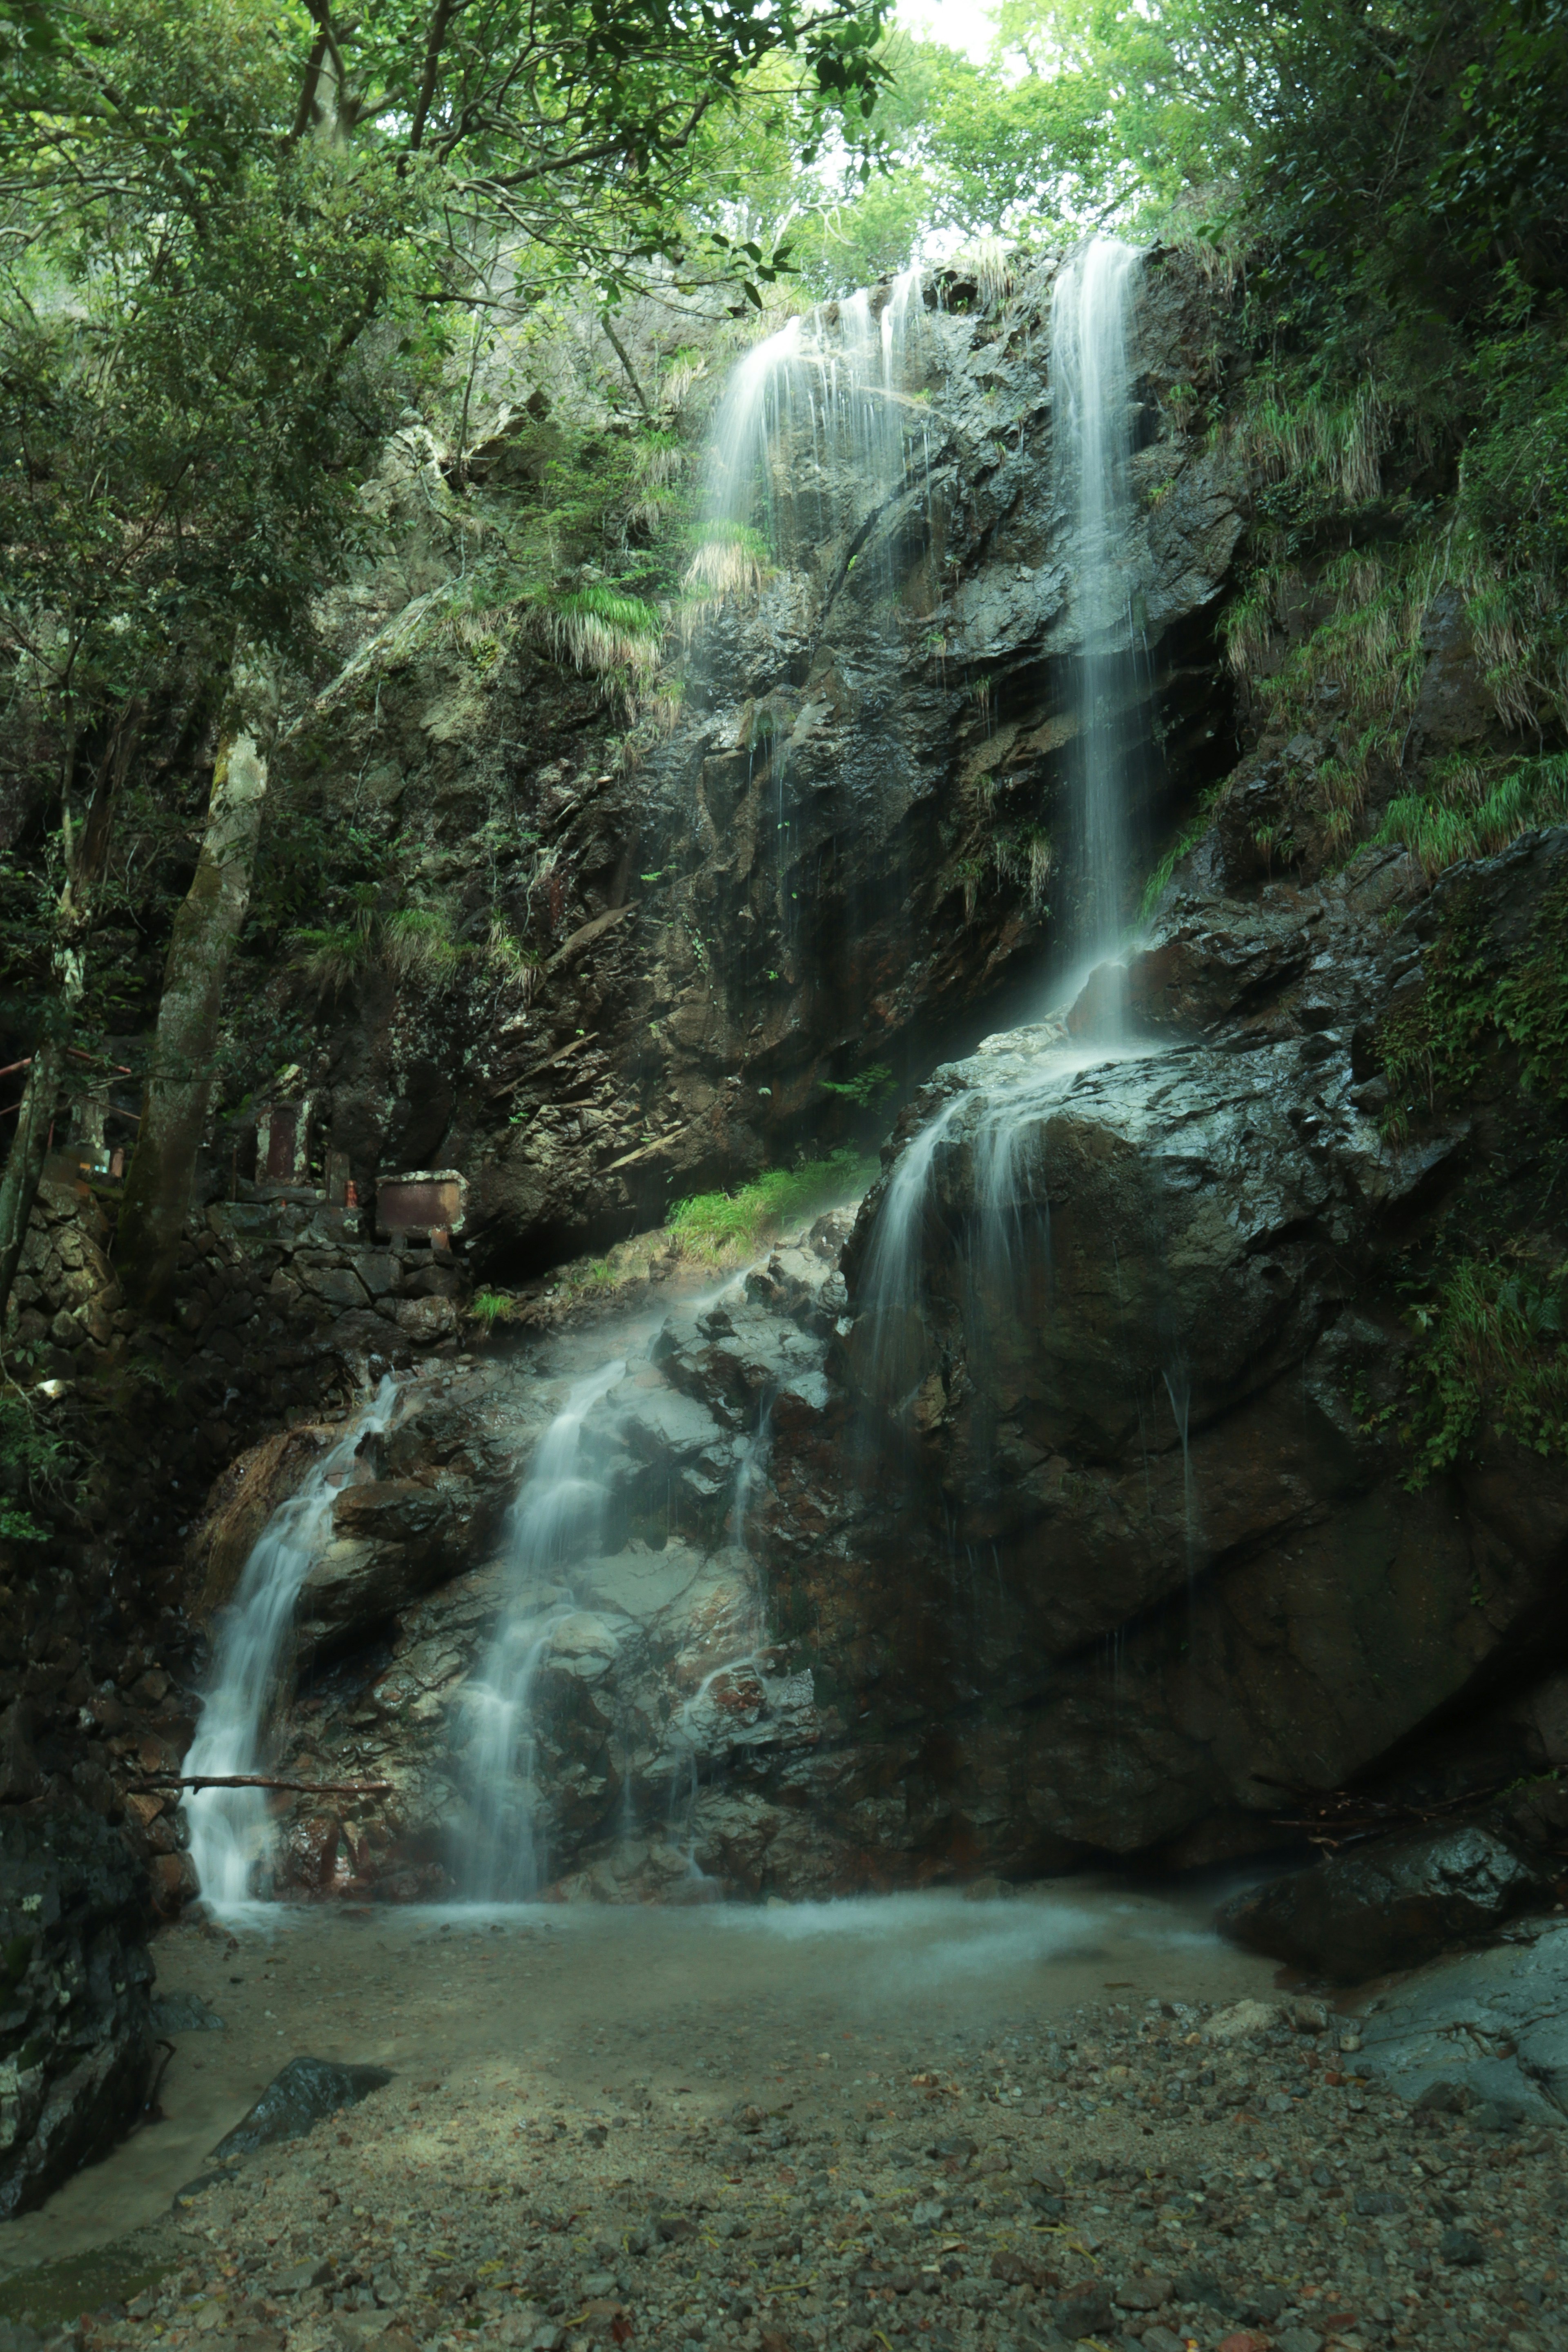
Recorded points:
1086,1539
74,2037
831,859
1390,1903
305,2094
1484,2036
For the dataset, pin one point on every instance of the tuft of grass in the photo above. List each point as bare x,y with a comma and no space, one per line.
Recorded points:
511,959
1333,442
330,958
713,1226
490,1307
1250,619
988,261
1475,807
592,1276
1186,840
733,559
418,945
604,630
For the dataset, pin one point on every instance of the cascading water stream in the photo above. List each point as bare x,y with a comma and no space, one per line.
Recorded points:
228,1827
557,1522
1091,390
816,444
814,427
557,1515
1092,443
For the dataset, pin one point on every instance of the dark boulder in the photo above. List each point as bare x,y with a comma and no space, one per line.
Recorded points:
75,2033
298,2099
1389,1904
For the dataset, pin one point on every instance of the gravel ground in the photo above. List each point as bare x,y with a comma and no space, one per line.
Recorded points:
951,2129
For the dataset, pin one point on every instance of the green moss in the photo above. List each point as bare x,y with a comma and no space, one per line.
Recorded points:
718,1225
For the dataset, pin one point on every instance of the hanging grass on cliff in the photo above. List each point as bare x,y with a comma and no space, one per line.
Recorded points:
720,1227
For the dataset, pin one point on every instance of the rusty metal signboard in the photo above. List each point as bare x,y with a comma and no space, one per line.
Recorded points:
421,1200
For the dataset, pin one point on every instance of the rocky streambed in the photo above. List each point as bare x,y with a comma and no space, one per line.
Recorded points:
989,2124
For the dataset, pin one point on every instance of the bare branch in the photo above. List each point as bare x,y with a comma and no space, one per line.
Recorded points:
436,41
197,1782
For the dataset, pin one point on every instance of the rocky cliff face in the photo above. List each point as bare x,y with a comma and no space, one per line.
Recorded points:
75,2031
1103,1495
839,853
1092,1534
1095,1495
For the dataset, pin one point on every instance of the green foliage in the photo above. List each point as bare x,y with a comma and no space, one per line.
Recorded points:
733,558
32,1464
866,1089
332,957
601,628
417,944
726,1225
1186,840
1488,1356
491,1307
179,377
1472,806
1474,998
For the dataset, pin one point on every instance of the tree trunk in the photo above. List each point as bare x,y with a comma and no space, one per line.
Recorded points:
84,833
179,1089
24,1161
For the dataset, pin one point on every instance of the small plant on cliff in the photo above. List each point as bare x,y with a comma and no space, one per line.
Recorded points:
417,944
329,958
866,1089
1472,1001
1488,1354
490,1307
728,1226
32,1464
733,558
1185,841
1472,808
603,630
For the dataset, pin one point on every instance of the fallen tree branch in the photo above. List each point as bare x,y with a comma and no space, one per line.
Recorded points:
1339,1817
196,1781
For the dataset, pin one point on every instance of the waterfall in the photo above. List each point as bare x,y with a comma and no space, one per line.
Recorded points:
557,1516
1092,406
228,1827
1092,411
815,429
